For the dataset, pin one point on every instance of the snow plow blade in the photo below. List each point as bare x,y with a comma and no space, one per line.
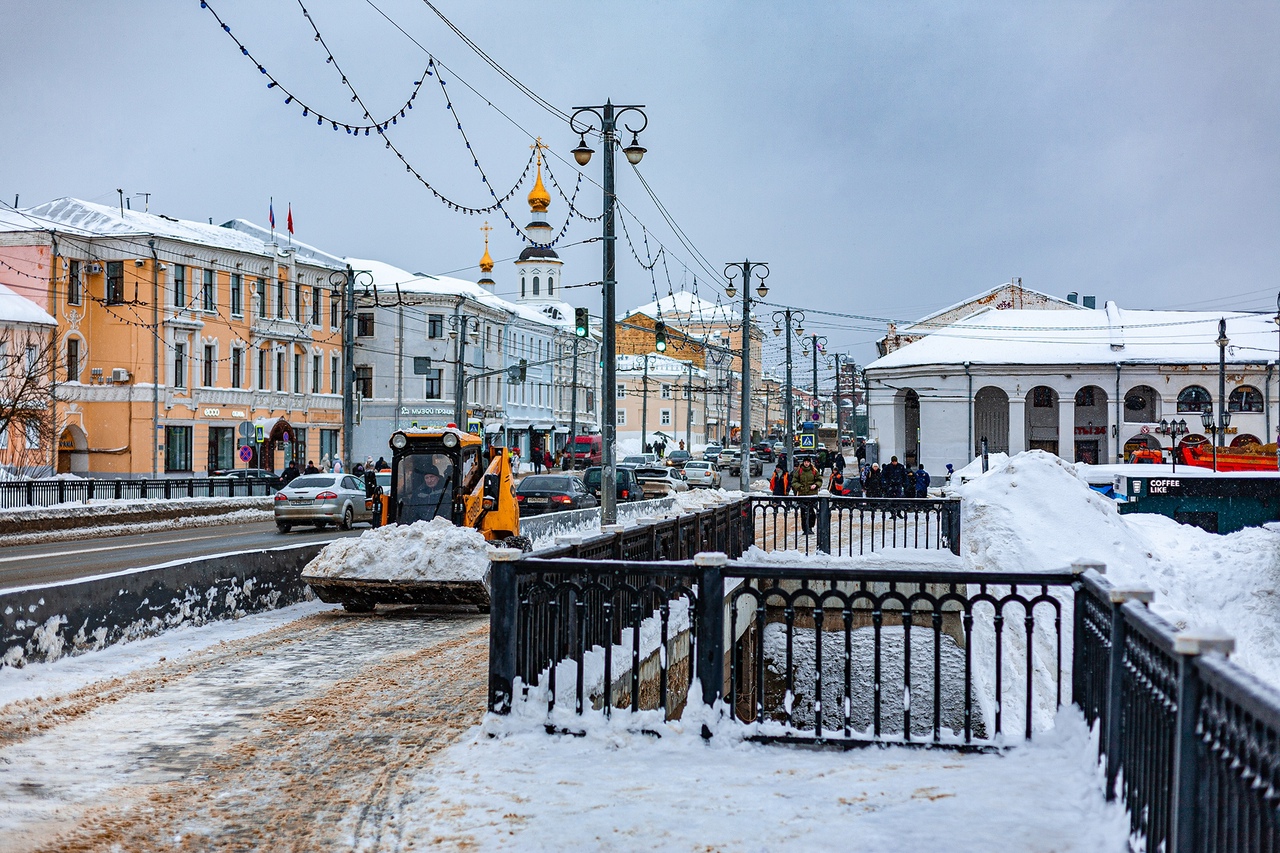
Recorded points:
361,596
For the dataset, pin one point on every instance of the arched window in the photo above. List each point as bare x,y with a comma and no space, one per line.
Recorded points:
1246,398
1141,405
1194,399
535,285
551,285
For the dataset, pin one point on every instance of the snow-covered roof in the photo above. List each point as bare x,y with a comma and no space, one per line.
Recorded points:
87,219
19,309
980,304
386,278
1089,336
659,365
686,304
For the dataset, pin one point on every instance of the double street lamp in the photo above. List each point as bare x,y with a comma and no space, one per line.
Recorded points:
731,272
788,316
1175,430
469,327
583,121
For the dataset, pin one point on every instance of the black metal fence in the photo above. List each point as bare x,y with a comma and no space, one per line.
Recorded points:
845,526
1191,741
22,493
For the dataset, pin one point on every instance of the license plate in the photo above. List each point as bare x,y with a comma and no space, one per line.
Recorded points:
296,501
535,500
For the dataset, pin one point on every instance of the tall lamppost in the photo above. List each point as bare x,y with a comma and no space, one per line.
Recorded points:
816,344
731,272
582,122
347,281
786,317
719,356
469,327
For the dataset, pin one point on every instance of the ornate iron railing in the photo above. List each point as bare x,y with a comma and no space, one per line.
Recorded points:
846,526
15,494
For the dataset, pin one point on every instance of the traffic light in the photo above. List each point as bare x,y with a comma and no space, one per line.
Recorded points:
518,372
581,322
660,337
524,369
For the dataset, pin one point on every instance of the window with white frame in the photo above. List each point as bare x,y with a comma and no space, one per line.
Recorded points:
665,418
209,361
179,365
237,367
209,292
179,286
317,366
237,295
622,417
666,392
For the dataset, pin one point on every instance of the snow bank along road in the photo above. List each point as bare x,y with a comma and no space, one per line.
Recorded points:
300,737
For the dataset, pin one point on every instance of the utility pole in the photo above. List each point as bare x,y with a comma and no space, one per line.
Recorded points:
839,438
573,409
688,411
644,407
786,316
348,365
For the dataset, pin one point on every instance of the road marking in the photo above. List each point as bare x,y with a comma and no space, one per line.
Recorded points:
63,553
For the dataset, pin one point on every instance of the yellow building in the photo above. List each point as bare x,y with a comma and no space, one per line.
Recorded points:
180,343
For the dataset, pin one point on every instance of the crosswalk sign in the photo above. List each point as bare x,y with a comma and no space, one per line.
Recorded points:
808,442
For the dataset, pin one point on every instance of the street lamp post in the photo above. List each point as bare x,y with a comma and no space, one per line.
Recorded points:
1174,429
818,344
780,318
462,327
582,122
731,272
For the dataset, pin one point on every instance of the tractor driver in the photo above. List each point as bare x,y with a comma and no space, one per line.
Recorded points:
430,485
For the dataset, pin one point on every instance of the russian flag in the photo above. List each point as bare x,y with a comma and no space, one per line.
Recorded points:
290,219
271,213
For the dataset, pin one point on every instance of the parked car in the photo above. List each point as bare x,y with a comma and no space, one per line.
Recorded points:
627,486
321,499
659,482
677,458
249,474
639,459
587,450
764,449
755,467
711,452
702,474
544,493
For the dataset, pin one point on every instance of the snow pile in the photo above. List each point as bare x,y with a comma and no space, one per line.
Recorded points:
925,559
626,782
425,550
696,500
1035,511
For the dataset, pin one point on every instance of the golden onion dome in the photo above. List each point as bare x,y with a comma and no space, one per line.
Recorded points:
486,262
539,198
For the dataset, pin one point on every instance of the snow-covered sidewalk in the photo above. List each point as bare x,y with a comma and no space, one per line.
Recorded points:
510,786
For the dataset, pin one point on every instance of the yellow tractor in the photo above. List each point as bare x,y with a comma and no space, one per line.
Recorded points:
436,473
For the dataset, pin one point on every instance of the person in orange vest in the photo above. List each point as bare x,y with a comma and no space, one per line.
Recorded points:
780,483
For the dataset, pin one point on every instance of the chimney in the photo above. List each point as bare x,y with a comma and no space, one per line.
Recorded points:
1073,298
1091,302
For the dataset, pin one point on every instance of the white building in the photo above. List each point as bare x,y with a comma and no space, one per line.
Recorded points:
660,397
1090,384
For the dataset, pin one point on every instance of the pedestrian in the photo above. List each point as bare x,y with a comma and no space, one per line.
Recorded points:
515,461
837,486
861,452
779,483
951,469
547,461
874,487
358,470
311,468
381,464
337,465
325,464
837,463
822,459
895,478
535,458
806,483
289,474
922,482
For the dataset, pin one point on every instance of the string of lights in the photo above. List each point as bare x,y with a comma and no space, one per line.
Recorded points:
570,201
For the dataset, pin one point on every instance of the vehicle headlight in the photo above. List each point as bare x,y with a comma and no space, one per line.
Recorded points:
449,440
399,440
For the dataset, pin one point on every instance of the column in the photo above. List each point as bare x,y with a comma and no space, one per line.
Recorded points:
1017,423
1067,425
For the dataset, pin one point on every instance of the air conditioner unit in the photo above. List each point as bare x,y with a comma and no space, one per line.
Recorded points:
119,374
94,269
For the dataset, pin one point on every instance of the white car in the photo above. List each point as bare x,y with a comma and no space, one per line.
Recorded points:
660,482
640,460
321,499
702,475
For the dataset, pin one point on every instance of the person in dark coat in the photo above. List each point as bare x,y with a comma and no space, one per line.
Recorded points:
311,468
837,463
535,456
875,482
381,464
922,482
861,452
779,483
289,474
895,478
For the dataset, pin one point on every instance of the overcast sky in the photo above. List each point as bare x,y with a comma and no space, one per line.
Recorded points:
886,159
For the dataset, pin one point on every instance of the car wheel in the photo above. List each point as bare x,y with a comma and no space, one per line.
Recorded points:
347,517
282,527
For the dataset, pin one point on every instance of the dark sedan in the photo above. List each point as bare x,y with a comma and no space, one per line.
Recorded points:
543,493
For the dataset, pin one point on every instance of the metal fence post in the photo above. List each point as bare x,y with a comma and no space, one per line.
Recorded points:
710,634
503,616
1188,749
824,521
1113,743
1078,568
953,527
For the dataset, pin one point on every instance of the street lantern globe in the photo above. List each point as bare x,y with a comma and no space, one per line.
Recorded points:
1182,426
1226,418
1164,426
1206,418
583,152
762,290
777,330
799,331
634,151
730,291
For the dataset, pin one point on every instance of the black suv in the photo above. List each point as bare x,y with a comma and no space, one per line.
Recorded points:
628,487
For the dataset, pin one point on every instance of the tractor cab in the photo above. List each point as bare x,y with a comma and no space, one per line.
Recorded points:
444,473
